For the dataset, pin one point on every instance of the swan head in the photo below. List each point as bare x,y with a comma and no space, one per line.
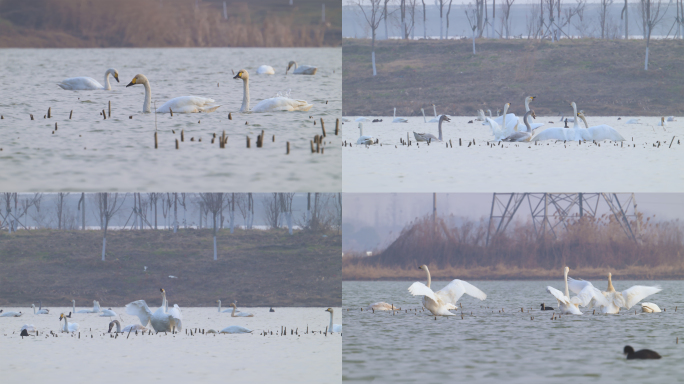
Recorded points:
114,73
289,65
444,118
329,310
61,316
242,74
233,305
567,269
138,79
423,267
162,290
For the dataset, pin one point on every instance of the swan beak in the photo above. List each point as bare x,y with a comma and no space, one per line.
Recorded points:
117,78
133,82
238,76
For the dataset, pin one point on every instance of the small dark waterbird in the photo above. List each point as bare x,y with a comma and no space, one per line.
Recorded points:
545,308
642,354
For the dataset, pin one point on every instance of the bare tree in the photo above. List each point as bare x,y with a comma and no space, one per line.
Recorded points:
272,210
603,16
232,213
373,18
440,5
505,21
286,207
424,21
651,15
214,204
625,15
408,10
242,202
59,208
471,15
385,17
153,198
109,205
447,20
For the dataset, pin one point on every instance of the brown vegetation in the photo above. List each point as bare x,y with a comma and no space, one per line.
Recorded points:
258,268
592,246
604,77
166,23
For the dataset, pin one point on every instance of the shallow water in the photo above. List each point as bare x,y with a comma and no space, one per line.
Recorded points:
517,167
89,153
180,358
489,346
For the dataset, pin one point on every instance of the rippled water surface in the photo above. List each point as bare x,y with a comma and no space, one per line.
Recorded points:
90,153
643,163
180,358
490,346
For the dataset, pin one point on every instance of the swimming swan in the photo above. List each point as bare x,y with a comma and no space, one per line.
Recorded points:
576,133
239,314
382,306
40,311
333,327
650,308
398,119
364,139
430,136
128,328
302,69
498,125
182,104
88,83
570,306
96,307
10,314
524,135
68,327
273,104
508,121
600,132
227,310
436,118
627,298
163,320
528,100
662,122
362,120
108,313
440,302
265,70
236,329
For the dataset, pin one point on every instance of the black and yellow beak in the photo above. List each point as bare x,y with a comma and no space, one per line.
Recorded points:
117,78
133,82
238,76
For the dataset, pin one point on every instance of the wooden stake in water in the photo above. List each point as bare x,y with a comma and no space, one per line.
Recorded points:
337,126
248,144
31,117
156,143
49,115
71,113
176,143
109,114
288,148
230,116
104,114
182,134
171,110
312,146
55,126
323,127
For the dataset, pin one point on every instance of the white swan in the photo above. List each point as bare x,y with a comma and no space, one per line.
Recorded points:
627,298
236,329
398,119
436,118
523,136
528,100
600,132
362,120
480,115
498,133
671,118
585,294
128,328
333,327
430,136
88,83
382,306
227,310
650,308
364,139
68,327
40,311
96,307
163,320
10,314
274,104
108,313
576,133
31,328
182,104
662,122
508,121
633,121
265,70
301,69
440,302
239,314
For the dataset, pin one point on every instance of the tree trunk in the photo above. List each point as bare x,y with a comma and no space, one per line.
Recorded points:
373,55
215,258
424,22
474,42
83,211
646,60
104,246
175,212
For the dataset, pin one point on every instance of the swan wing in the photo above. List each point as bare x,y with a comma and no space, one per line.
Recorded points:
188,104
420,289
637,293
604,132
558,295
139,308
456,288
265,70
281,104
177,317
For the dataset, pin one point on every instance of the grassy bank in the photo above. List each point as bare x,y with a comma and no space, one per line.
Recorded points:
258,268
167,23
605,78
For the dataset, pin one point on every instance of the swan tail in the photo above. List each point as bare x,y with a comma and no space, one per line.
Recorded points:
64,86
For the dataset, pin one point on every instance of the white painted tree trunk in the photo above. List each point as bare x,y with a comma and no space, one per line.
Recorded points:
232,221
441,27
474,43
104,246
646,60
214,247
373,59
289,222
386,29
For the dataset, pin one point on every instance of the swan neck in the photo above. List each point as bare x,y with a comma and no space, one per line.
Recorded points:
219,308
424,119
331,322
567,291
610,285
73,306
245,95
586,125
234,308
527,105
428,275
108,87
576,118
440,129
434,109
148,97
527,123
504,116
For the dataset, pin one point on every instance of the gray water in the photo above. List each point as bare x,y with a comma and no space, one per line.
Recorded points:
88,153
489,346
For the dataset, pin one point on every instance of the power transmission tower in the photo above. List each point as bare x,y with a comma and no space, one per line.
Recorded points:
551,212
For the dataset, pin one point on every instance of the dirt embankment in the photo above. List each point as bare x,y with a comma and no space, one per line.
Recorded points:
257,268
167,23
605,78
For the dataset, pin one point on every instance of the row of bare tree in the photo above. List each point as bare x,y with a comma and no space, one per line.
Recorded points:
324,211
549,19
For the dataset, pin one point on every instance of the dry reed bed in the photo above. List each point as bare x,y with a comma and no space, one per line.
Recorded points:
590,247
146,23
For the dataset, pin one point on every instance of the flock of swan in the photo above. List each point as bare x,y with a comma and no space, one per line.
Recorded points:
610,301
164,319
509,127
195,104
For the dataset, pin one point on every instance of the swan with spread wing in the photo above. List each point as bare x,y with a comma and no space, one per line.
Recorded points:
163,320
440,302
